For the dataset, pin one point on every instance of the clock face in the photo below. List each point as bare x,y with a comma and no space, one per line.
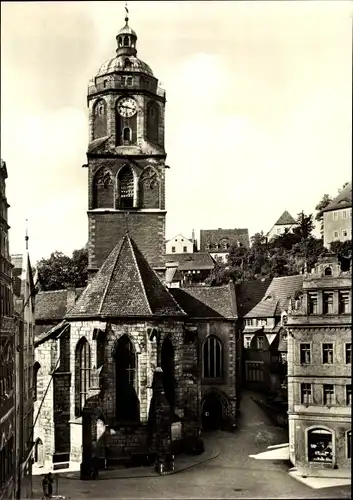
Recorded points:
127,107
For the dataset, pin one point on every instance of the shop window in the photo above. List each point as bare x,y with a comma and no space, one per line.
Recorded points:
327,354
212,358
319,445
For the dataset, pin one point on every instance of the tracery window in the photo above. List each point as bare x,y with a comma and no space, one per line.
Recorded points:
127,403
212,358
83,374
36,369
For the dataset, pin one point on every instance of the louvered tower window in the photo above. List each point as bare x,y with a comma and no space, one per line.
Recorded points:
126,188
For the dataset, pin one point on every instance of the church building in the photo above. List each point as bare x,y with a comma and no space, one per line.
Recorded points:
98,353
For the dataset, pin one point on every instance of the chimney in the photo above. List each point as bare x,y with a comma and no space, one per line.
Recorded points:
170,270
70,297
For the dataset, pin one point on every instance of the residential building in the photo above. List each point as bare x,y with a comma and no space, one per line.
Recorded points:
218,241
191,269
7,353
264,332
26,371
319,371
338,217
285,223
180,244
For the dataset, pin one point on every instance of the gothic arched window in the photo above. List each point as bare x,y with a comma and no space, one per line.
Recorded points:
126,187
127,403
212,358
152,121
149,188
99,119
103,189
36,368
167,365
82,374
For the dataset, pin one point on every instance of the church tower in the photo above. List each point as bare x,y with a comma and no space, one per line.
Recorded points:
126,156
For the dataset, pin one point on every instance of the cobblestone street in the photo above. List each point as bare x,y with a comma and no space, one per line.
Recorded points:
233,474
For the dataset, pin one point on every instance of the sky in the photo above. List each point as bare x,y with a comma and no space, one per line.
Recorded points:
258,114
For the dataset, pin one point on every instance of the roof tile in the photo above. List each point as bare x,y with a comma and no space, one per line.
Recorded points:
205,302
343,200
285,218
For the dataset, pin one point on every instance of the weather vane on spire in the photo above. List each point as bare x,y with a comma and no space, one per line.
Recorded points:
127,12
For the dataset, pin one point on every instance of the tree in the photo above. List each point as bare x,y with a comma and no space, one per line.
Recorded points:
323,203
60,271
305,226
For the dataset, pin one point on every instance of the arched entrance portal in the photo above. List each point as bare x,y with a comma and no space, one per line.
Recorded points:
212,413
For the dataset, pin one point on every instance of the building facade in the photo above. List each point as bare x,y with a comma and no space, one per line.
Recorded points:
7,354
319,370
126,155
26,371
285,223
338,217
180,244
218,241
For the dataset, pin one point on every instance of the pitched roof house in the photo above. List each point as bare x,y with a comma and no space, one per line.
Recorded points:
285,223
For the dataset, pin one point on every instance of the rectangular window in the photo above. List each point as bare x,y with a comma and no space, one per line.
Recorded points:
327,354
279,230
349,395
343,214
248,322
185,249
305,394
335,215
349,444
261,322
173,249
305,354
349,353
329,394
343,302
344,233
247,342
328,303
312,299
335,234
260,342
350,213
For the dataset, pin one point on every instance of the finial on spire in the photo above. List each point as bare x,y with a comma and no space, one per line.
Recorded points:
127,13
26,237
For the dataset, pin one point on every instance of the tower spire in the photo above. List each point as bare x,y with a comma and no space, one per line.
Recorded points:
26,237
126,13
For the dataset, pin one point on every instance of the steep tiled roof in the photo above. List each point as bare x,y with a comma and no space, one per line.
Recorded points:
191,261
249,293
125,286
285,218
283,288
213,237
53,332
52,305
343,200
206,302
276,297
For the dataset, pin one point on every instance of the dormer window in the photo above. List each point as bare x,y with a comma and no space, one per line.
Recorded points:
284,319
328,271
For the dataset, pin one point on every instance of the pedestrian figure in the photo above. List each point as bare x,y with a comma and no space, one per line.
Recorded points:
47,485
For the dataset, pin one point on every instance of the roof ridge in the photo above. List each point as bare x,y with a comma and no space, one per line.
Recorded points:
140,275
52,291
110,278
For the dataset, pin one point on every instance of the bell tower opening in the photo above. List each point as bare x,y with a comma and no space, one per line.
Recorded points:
126,188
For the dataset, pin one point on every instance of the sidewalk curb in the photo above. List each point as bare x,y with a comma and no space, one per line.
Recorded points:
146,475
